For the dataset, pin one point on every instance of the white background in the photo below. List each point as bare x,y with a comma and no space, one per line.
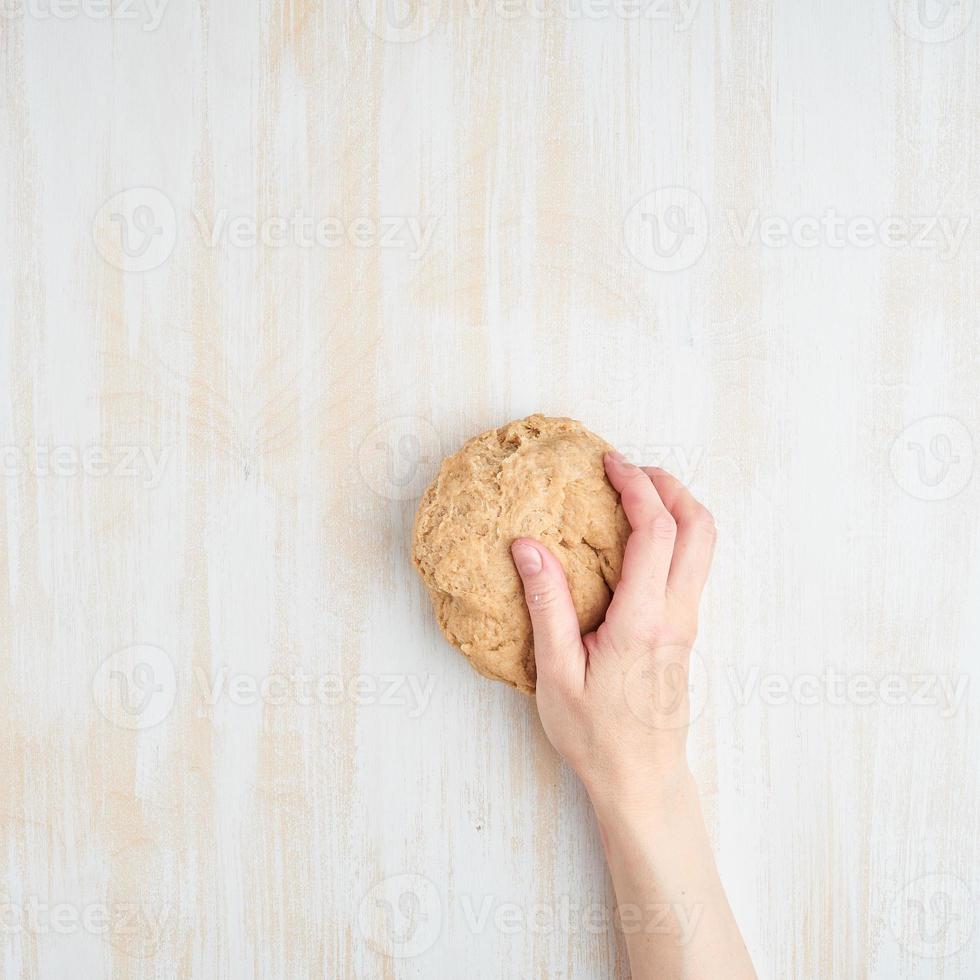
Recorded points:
737,239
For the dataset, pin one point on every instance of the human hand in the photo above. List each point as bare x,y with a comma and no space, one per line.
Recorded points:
614,702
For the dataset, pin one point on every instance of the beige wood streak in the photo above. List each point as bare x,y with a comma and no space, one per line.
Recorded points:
250,838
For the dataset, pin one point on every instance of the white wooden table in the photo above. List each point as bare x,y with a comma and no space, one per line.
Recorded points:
263,264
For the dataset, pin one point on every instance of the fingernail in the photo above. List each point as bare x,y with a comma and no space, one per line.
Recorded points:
527,559
616,457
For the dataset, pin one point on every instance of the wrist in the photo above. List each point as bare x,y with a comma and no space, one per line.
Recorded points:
658,805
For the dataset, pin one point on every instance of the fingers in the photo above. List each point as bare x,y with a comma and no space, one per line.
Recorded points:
646,562
695,544
558,650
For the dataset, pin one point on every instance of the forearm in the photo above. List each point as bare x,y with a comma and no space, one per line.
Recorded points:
672,907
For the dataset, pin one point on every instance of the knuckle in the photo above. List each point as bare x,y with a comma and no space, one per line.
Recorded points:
638,482
634,490
668,480
640,632
684,626
663,527
704,522
643,636
541,597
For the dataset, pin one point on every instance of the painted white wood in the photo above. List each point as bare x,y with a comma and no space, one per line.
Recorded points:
264,264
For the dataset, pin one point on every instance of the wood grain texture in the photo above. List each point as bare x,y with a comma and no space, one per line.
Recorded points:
265,263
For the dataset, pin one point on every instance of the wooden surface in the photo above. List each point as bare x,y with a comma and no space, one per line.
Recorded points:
738,239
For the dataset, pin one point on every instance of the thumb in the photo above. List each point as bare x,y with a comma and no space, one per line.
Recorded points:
558,650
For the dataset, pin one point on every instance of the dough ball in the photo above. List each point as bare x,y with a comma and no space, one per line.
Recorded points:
537,477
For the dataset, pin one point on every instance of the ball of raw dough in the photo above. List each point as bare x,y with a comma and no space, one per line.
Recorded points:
538,477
